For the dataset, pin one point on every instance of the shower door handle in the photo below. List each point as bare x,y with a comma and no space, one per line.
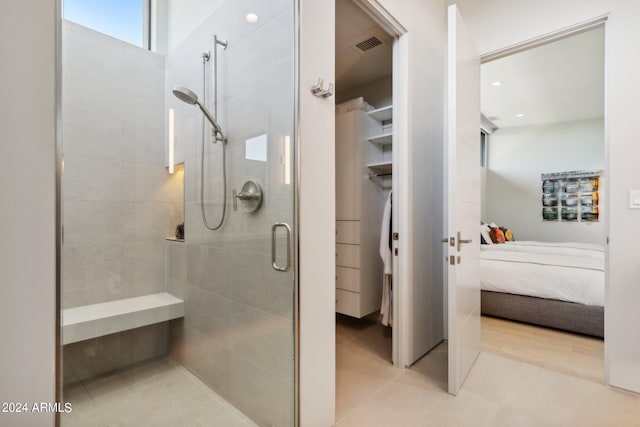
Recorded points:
274,262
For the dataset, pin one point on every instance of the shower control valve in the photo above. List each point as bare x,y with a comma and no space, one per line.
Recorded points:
250,195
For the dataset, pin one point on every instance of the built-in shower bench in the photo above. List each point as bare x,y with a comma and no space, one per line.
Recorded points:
95,320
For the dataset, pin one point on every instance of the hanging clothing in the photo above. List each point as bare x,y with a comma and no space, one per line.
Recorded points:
387,301
385,238
386,244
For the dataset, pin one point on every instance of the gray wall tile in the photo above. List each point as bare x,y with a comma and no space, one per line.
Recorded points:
119,202
90,358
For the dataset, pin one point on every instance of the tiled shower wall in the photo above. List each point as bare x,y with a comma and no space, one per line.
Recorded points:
119,203
238,329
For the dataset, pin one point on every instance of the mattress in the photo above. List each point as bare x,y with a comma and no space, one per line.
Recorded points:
569,272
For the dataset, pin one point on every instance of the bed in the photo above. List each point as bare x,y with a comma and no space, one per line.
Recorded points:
558,285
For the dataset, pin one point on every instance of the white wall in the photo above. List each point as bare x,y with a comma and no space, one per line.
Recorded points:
174,20
27,249
517,157
316,209
183,16
159,24
516,21
484,178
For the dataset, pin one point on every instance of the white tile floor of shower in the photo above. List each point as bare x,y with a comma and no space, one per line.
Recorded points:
157,393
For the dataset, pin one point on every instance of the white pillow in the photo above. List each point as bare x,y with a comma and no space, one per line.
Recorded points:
484,232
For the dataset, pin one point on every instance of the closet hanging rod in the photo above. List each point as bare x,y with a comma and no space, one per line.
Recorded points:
375,175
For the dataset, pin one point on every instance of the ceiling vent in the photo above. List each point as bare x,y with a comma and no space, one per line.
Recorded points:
369,40
368,44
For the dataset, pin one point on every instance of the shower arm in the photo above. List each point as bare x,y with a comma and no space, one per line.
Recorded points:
220,136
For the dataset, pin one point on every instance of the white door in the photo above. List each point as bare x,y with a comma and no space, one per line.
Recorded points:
463,130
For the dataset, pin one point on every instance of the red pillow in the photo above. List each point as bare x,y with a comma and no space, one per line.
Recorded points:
497,236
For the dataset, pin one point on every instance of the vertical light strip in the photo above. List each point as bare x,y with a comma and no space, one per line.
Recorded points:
287,159
171,141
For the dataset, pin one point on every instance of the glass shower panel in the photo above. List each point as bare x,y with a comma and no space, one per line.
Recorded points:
240,321
227,356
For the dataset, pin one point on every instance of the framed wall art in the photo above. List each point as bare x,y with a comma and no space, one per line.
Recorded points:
571,196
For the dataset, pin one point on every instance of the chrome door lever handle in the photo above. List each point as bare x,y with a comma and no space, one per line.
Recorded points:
243,195
461,241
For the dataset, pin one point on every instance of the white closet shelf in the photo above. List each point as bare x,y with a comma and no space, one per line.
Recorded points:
382,114
384,167
384,139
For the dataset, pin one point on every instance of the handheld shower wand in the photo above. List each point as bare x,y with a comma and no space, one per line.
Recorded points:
188,96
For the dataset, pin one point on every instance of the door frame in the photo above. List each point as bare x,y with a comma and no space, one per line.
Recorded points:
562,33
400,177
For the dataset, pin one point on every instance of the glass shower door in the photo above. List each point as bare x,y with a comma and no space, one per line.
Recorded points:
240,322
231,358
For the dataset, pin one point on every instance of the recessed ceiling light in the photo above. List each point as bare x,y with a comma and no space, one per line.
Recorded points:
493,118
496,83
520,115
251,17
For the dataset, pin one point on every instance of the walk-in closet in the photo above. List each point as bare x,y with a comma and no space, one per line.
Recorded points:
364,172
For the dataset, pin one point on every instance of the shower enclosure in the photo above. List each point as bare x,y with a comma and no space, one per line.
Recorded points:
159,327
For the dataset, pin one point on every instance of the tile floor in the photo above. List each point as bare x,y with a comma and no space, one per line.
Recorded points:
158,393
499,391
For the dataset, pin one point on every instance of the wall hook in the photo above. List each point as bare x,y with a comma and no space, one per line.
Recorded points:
317,90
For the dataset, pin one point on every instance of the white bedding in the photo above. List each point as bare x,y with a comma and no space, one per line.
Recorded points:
578,249
571,272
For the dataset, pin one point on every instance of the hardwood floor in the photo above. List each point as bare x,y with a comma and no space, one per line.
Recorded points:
573,354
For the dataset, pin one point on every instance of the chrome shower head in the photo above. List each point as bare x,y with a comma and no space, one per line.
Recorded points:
185,95
188,96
